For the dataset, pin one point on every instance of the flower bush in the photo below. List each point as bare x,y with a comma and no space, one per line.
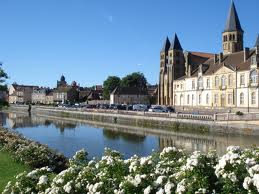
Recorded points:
31,153
171,171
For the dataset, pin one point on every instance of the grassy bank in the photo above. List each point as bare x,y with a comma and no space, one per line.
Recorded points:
9,169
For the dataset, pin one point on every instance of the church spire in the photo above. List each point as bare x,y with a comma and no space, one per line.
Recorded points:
176,45
233,23
166,45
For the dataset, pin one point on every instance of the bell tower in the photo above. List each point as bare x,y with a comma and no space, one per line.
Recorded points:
232,37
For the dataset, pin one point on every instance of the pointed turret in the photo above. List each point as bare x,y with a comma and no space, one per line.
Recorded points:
233,23
176,45
257,41
232,37
166,45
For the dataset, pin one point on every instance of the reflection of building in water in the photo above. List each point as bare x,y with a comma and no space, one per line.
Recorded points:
2,119
117,133
190,144
15,121
205,143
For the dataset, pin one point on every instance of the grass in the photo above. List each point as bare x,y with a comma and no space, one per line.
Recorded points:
9,169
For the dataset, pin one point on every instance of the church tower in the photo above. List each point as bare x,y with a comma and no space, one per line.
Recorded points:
232,37
163,72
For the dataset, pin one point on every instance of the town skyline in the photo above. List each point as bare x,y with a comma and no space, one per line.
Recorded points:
70,47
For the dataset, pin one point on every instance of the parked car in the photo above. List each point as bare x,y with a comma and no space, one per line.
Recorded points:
140,107
103,106
170,109
157,108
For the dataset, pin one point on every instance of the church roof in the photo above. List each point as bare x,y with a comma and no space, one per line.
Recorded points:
176,44
257,41
233,23
166,45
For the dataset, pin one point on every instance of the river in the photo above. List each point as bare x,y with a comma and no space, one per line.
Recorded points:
68,136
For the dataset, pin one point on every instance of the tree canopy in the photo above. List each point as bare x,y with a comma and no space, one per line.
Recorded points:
109,85
3,77
135,79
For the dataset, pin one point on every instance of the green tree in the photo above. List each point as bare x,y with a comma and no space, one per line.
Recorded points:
135,79
109,85
3,77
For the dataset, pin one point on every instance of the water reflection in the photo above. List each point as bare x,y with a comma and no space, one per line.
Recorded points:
70,135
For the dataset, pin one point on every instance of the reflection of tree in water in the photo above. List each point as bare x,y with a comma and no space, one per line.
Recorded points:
62,126
130,137
47,123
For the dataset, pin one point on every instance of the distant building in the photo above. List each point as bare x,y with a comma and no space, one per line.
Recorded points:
83,94
67,94
21,93
62,82
49,98
129,95
39,96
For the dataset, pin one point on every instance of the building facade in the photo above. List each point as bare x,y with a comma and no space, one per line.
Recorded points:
21,93
205,80
129,95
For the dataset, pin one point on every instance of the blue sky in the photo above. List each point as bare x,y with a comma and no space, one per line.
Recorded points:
88,40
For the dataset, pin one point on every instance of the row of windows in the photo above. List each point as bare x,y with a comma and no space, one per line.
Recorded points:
232,37
216,99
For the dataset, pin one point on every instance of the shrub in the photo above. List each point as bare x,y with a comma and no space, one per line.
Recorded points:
171,171
239,113
31,153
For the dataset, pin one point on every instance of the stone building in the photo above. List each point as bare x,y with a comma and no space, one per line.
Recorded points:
224,80
129,95
21,93
42,96
67,94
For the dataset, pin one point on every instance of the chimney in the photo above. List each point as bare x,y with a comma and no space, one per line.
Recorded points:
220,57
246,53
215,58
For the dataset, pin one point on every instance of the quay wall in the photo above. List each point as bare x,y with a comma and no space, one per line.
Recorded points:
165,121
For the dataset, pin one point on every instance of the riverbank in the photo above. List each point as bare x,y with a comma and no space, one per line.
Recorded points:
9,169
158,121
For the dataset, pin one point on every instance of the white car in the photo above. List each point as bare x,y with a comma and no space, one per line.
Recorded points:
157,109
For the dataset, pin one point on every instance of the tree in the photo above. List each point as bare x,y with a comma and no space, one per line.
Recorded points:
3,77
109,85
135,79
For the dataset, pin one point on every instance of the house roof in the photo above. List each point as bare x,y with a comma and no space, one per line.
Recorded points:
176,45
63,89
233,23
129,91
21,87
166,45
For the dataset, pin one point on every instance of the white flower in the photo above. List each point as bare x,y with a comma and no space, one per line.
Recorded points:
161,191
181,187
247,182
256,181
168,187
68,187
43,180
159,180
147,190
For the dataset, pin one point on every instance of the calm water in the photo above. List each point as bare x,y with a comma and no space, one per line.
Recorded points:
68,136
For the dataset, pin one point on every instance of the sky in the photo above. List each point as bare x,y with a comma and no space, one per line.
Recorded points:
89,40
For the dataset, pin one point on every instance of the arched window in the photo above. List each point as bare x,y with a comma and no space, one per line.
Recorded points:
223,80
175,99
200,82
188,99
230,80
253,99
242,98
208,83
216,81
233,37
254,76
207,99
181,100
199,98
216,99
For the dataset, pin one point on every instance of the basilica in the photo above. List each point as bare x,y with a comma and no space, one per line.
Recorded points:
224,80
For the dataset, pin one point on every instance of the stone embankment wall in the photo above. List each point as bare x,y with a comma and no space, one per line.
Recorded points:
166,121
